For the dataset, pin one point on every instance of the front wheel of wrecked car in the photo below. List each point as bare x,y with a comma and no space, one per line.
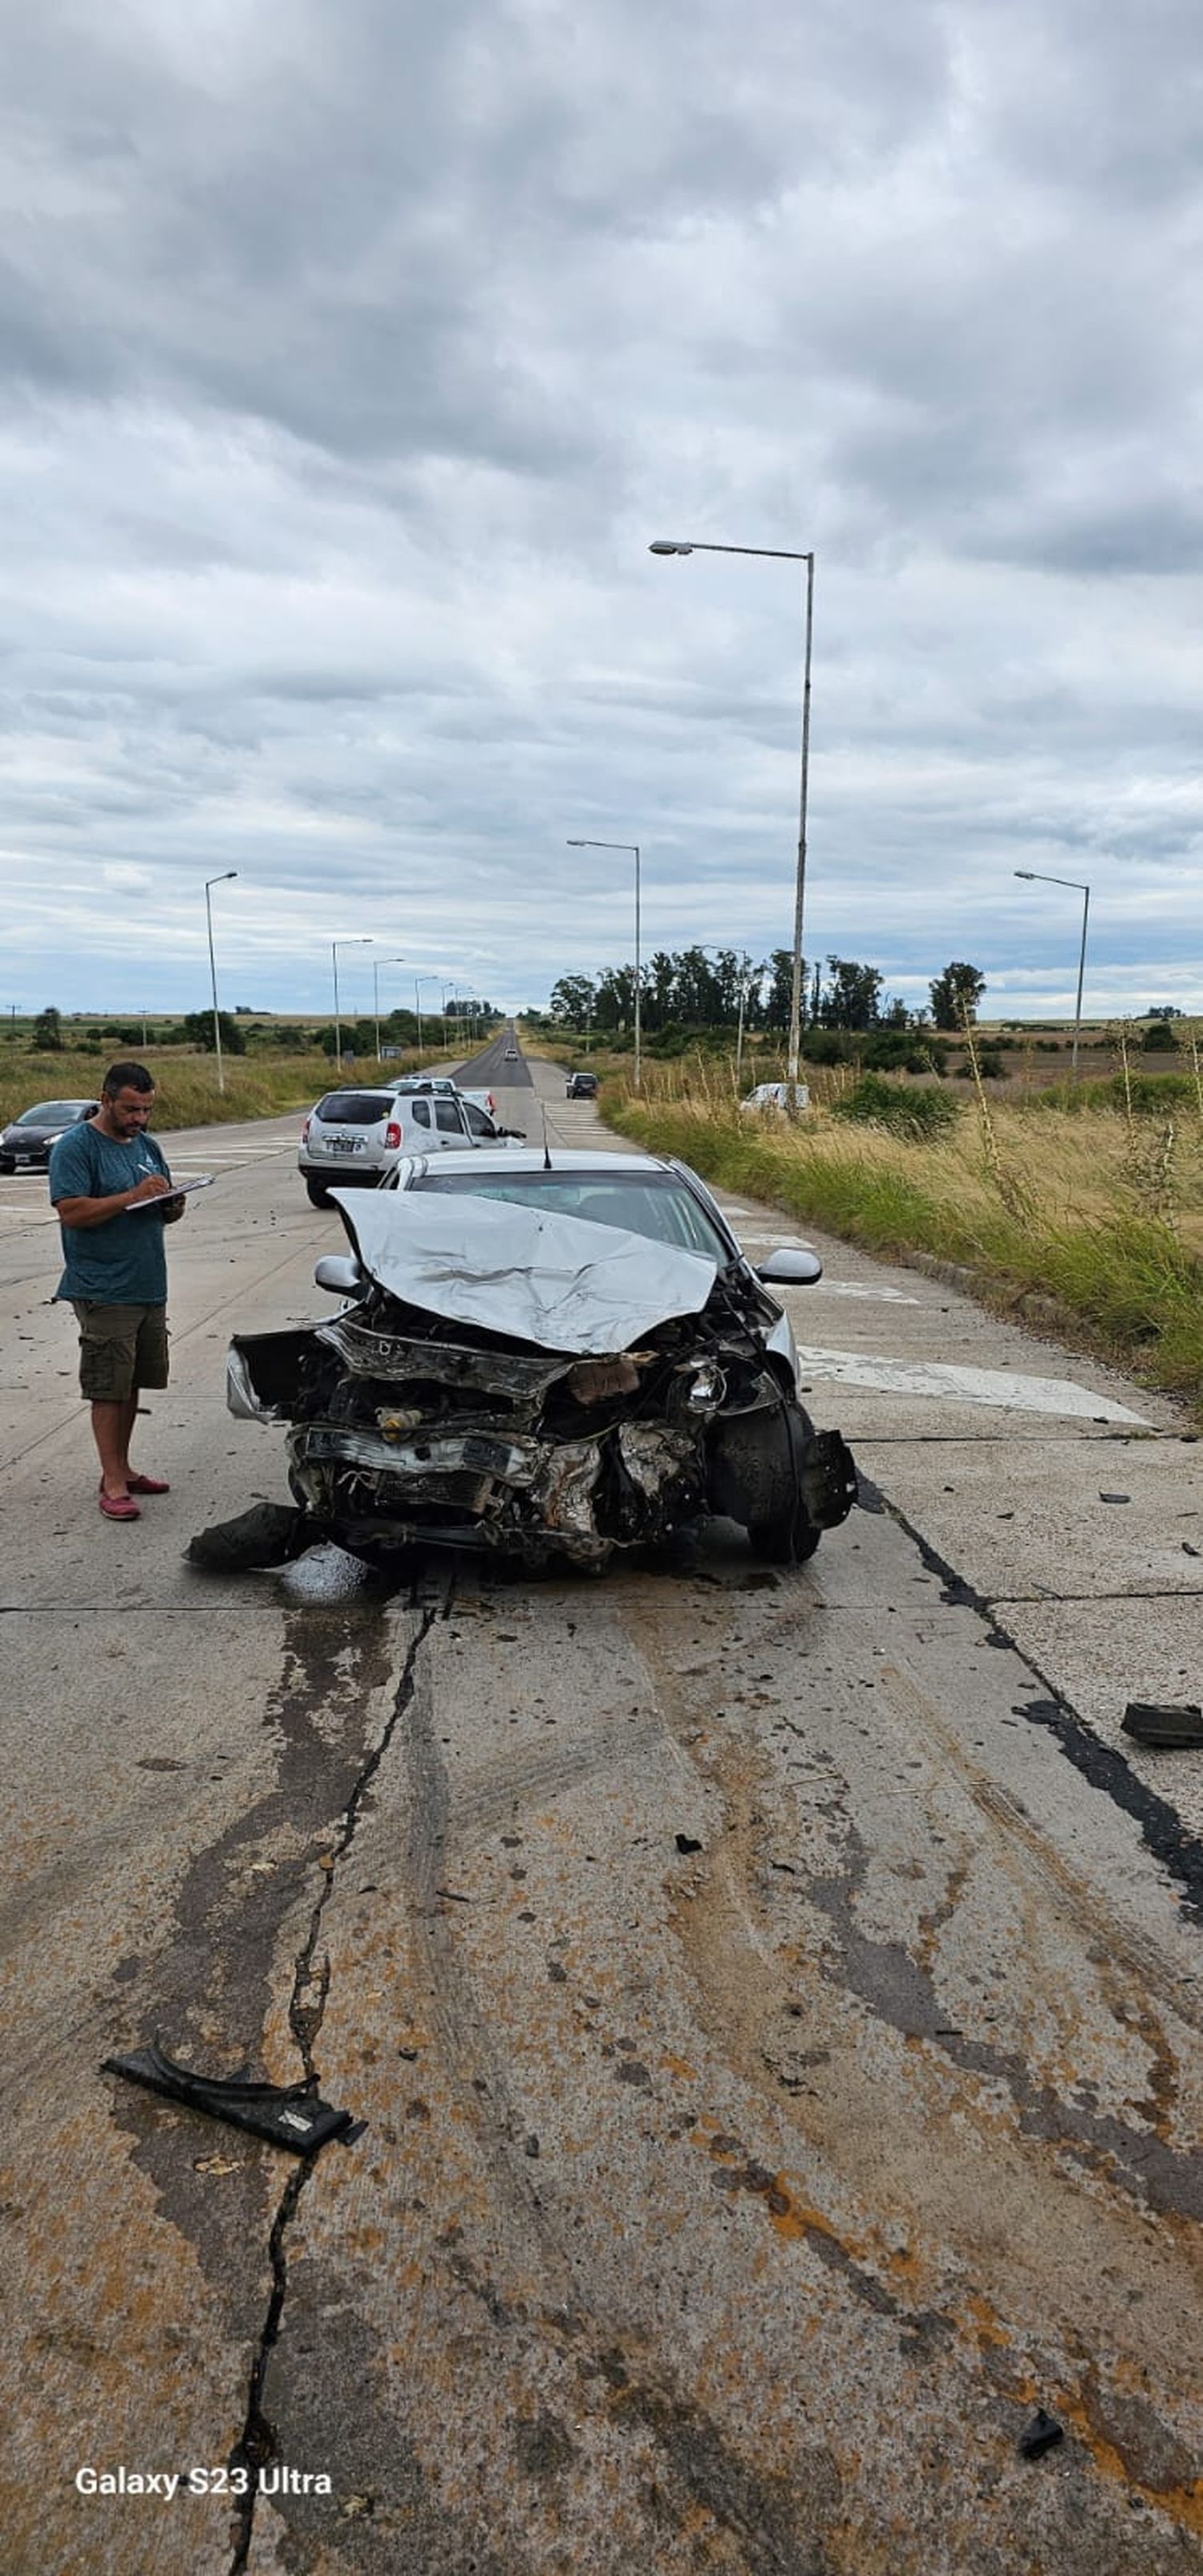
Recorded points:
769,1468
788,1541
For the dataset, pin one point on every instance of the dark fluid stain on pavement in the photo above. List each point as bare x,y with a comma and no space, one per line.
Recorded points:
901,1993
542,2447
215,1968
1107,1770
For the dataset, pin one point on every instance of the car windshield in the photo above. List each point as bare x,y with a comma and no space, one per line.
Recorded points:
53,1113
651,1203
354,1108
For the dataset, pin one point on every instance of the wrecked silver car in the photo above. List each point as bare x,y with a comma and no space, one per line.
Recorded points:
548,1356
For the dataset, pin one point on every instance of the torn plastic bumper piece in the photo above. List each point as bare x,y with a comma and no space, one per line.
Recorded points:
1171,1724
268,1534
288,2115
1041,2434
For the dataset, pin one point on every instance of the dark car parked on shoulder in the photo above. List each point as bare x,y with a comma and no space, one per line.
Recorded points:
581,1086
25,1146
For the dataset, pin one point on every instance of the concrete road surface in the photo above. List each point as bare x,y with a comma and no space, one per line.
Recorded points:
773,1998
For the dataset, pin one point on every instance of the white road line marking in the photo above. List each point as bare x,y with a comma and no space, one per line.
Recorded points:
1012,1393
860,1288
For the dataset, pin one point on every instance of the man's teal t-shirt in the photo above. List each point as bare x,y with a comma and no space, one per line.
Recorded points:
123,1261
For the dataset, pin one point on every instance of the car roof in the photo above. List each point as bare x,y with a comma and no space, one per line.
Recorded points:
42,1108
530,1158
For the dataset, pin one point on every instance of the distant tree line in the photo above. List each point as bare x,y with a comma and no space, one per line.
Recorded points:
696,988
194,1029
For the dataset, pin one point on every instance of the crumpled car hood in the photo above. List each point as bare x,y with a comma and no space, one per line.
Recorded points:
558,1282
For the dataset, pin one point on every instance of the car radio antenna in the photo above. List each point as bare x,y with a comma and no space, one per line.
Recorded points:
547,1162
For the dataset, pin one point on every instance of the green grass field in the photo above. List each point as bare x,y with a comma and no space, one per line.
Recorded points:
1097,1208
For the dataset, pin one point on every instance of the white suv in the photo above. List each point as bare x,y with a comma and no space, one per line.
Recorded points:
355,1134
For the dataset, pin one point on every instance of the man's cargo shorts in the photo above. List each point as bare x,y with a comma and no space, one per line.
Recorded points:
121,1348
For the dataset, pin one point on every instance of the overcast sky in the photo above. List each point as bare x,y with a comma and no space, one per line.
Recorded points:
355,351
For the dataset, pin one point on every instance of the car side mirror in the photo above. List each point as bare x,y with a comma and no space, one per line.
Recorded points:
789,1267
341,1274
518,1133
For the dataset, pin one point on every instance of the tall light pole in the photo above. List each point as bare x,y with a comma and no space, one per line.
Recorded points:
360,941
1036,876
460,989
377,963
779,554
419,980
223,879
633,847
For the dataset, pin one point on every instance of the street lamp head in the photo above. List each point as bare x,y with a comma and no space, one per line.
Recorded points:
668,546
1029,873
576,845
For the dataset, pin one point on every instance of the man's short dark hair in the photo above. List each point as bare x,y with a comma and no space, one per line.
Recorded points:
127,1077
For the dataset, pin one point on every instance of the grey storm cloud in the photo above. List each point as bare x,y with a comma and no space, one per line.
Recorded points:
351,358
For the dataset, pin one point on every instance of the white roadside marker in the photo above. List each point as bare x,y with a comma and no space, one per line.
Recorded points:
1010,1391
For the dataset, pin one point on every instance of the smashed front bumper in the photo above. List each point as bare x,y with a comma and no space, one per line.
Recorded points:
399,1434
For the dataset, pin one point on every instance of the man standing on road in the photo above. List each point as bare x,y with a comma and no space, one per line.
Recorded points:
101,1174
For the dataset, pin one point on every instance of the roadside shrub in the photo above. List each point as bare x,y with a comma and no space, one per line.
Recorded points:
822,1046
873,1102
1149,1092
989,1064
901,1051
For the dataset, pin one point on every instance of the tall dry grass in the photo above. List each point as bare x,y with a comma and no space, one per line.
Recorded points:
258,1086
1098,1209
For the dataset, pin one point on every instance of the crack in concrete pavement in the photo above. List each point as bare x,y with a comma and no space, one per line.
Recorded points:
256,2443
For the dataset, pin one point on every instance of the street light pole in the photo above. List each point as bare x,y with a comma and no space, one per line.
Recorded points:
633,847
377,963
1036,876
779,554
360,941
419,980
223,879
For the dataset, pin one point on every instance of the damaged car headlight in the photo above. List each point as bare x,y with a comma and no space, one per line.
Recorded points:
707,1388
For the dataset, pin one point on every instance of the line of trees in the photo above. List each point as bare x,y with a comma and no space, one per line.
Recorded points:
695,988
50,1034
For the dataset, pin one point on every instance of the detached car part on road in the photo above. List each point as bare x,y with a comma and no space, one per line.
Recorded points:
546,1359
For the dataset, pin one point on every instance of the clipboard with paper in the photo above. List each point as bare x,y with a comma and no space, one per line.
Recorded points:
174,1190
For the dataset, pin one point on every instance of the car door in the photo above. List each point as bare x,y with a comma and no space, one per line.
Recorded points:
452,1130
